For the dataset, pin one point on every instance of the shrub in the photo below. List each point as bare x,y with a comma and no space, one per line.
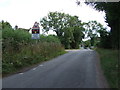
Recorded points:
19,50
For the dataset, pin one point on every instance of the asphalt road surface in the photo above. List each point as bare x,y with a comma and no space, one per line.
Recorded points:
76,69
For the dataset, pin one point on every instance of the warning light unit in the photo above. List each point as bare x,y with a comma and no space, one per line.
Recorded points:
36,31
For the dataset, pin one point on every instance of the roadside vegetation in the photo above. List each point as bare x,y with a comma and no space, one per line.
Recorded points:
71,30
20,51
109,41
109,63
0,52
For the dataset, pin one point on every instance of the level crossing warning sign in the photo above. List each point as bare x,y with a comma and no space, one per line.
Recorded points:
36,31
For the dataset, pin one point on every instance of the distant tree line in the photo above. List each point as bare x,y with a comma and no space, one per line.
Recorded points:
70,30
111,39
20,50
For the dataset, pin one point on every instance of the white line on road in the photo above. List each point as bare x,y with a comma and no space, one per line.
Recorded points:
21,73
41,65
34,68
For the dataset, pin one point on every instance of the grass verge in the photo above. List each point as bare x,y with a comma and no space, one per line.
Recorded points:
109,64
29,55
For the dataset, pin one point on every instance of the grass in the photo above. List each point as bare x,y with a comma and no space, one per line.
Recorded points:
109,64
30,55
0,60
0,34
19,50
0,52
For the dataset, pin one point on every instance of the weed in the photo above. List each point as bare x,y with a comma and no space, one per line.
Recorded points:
19,50
109,63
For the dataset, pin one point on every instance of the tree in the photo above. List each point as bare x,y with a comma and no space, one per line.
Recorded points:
54,21
77,27
6,25
0,25
78,35
105,38
112,18
67,37
91,31
67,27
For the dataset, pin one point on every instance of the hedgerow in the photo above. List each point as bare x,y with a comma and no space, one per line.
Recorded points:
19,50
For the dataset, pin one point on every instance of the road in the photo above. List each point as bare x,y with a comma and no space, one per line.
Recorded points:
76,69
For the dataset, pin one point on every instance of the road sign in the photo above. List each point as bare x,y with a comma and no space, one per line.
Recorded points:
35,36
36,28
36,31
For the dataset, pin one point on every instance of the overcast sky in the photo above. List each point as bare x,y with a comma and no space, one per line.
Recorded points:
25,12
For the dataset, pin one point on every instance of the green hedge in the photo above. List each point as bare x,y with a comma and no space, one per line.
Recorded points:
19,50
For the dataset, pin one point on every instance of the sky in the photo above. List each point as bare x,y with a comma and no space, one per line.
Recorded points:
25,12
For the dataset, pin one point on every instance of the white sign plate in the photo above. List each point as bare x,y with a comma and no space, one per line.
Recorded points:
35,36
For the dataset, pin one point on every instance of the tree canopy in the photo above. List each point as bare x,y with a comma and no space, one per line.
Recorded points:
5,25
92,31
112,18
68,28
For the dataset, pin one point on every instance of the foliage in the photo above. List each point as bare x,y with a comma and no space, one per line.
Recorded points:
19,50
78,35
49,38
68,37
104,39
0,52
14,39
112,18
109,63
87,44
29,55
6,25
65,27
54,21
0,26
0,35
92,31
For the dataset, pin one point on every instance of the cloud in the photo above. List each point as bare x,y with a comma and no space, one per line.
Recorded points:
25,12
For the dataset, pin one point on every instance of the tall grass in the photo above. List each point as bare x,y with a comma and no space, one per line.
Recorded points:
0,34
0,52
109,63
19,50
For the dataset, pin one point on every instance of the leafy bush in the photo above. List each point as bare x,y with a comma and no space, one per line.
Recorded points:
49,38
19,50
0,34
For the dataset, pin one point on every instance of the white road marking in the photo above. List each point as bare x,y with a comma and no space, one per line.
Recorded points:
34,68
41,65
21,73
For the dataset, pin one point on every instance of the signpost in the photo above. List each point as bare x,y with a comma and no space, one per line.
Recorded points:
36,31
